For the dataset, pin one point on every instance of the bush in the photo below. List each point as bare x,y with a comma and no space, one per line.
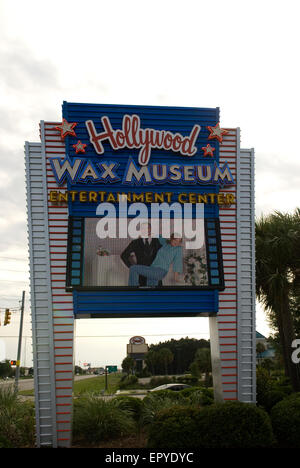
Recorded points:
128,382
161,394
174,427
131,404
285,417
157,381
203,397
154,402
187,379
272,397
96,420
227,425
17,421
144,373
269,390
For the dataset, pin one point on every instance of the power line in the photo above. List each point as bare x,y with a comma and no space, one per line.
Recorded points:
14,281
146,334
123,336
14,271
14,258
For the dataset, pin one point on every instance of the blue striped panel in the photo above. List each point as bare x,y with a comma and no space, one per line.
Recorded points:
145,303
176,119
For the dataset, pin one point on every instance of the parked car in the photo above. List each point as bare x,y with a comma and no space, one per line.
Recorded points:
175,387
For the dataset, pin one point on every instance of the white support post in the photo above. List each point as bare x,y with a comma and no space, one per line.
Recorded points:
215,359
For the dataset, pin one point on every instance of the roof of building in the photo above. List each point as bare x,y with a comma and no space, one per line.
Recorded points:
259,335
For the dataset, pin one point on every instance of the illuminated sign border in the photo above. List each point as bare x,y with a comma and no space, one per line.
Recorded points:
75,261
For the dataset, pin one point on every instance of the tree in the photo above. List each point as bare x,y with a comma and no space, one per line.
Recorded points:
260,348
278,277
183,351
5,369
128,365
166,357
78,370
152,360
202,363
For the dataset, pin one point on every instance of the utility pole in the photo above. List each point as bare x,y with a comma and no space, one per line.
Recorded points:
20,344
106,382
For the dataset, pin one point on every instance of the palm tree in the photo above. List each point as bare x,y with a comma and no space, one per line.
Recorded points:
260,349
277,277
166,357
152,361
202,363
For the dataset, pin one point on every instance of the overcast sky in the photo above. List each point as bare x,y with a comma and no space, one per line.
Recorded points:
242,56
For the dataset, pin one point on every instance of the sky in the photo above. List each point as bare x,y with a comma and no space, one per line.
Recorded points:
239,56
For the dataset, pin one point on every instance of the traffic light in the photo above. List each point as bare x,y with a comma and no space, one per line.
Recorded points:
15,363
7,317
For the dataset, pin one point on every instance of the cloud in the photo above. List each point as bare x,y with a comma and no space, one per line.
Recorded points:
277,171
22,71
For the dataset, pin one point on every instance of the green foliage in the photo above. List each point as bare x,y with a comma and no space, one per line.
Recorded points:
174,427
278,278
187,392
203,397
131,404
165,357
285,417
270,390
161,394
228,425
157,381
183,352
128,365
17,421
154,402
128,382
187,379
97,420
96,385
5,369
143,373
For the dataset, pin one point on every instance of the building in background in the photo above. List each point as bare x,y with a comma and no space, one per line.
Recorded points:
137,350
269,352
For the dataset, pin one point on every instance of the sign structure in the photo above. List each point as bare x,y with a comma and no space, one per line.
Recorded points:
138,211
111,369
137,340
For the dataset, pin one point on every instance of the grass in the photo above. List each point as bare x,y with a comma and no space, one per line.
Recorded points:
97,385
94,385
17,421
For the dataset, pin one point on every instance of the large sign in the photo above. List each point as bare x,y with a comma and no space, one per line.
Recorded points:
143,186
138,211
137,340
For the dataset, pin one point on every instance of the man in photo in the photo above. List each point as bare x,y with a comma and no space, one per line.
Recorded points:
169,254
142,251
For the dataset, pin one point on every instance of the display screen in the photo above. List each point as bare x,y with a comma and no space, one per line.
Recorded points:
137,254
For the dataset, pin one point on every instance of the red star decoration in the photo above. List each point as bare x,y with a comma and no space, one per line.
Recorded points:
208,150
217,132
66,128
79,147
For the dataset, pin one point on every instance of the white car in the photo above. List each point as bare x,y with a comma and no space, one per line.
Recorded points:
175,387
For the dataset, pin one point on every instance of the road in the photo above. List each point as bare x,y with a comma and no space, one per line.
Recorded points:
28,384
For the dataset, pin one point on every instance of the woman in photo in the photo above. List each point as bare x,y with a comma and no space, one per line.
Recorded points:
169,254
